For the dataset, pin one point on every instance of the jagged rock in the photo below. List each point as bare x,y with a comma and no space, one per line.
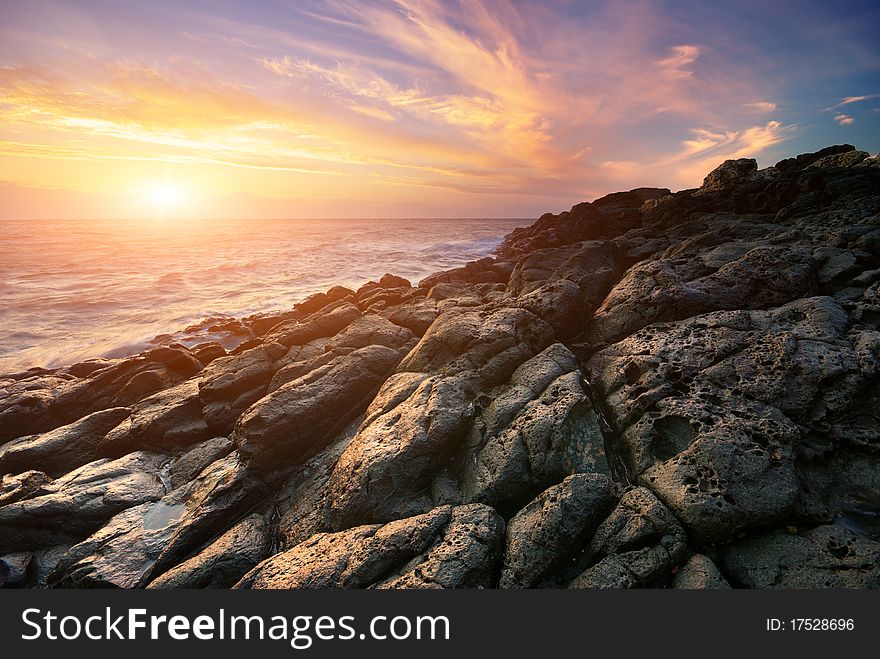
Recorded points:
486,270
415,315
806,159
560,303
190,464
412,551
393,281
706,410
385,471
69,508
847,159
675,289
539,428
302,501
312,303
699,573
226,560
823,557
28,484
63,449
637,546
554,528
227,378
303,415
729,174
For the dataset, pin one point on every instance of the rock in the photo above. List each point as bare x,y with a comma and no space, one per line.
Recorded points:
729,174
699,573
169,419
73,506
554,528
328,321
190,464
303,415
338,293
560,303
139,544
847,159
637,546
312,303
26,485
805,159
489,343
538,429
467,556
412,551
823,557
14,569
415,315
393,281
222,563
371,330
706,411
227,378
41,403
675,289
385,471
63,449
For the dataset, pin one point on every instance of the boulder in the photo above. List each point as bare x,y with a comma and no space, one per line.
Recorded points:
699,573
555,528
303,416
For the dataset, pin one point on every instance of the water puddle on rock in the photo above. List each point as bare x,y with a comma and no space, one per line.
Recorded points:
862,522
162,514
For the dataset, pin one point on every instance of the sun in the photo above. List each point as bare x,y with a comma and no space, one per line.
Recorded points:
166,197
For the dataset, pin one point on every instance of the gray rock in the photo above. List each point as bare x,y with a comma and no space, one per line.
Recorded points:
699,573
413,552
823,557
555,528
304,415
384,473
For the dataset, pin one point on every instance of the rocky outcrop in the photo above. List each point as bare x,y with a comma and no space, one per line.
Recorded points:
652,389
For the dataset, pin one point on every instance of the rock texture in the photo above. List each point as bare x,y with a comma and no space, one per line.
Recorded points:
652,389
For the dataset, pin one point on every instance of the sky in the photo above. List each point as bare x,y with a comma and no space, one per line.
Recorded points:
412,108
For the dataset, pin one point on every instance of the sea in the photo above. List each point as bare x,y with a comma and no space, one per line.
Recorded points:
72,290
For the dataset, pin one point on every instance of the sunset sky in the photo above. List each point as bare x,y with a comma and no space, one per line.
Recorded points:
329,108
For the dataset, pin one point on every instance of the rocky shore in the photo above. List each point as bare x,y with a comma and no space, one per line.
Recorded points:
649,390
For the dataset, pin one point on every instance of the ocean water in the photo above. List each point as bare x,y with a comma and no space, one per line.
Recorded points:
76,289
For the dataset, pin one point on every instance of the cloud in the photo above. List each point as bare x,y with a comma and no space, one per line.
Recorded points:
856,99
843,119
760,106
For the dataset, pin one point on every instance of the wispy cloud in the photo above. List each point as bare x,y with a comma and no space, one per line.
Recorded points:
844,119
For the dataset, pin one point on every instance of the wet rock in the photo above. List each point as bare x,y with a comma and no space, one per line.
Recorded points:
637,546
73,506
413,551
141,543
823,557
222,563
63,449
699,573
302,416
190,464
385,471
554,528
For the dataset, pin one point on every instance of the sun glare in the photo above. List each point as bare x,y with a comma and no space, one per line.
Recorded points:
166,197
